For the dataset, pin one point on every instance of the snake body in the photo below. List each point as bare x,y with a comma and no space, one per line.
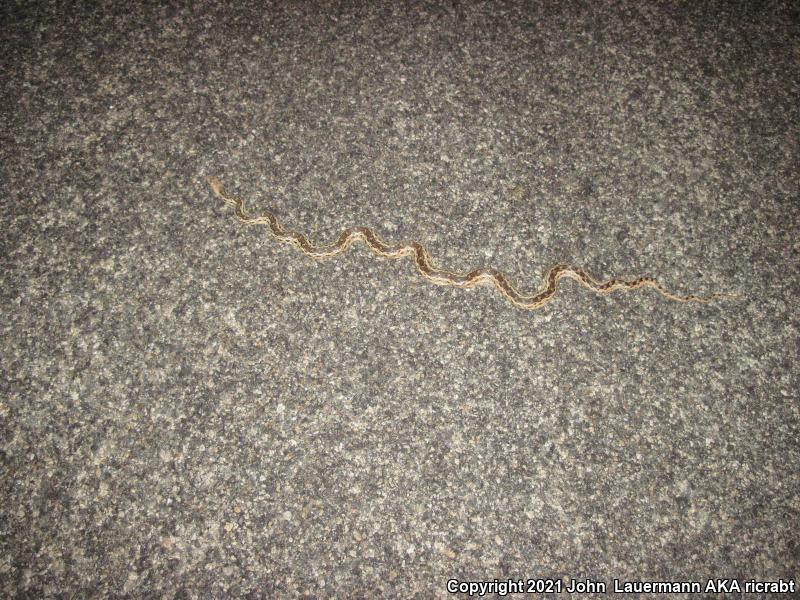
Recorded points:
434,274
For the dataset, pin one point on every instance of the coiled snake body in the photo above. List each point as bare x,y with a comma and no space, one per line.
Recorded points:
434,274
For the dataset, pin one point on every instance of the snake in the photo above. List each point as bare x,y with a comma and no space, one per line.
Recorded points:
428,269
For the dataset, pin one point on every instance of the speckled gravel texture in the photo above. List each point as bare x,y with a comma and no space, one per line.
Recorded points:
191,409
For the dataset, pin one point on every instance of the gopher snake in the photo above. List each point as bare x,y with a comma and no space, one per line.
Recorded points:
439,276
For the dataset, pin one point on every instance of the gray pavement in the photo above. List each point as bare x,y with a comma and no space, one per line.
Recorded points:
190,409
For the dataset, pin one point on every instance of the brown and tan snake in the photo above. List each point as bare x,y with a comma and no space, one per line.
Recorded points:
434,274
